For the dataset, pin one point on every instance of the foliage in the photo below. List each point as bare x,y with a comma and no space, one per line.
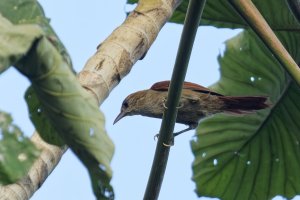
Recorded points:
31,12
81,127
15,41
55,94
243,157
14,164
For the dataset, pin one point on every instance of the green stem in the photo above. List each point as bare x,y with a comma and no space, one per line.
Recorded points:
256,21
159,164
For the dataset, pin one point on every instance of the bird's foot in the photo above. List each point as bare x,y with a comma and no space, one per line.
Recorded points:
171,143
164,104
156,136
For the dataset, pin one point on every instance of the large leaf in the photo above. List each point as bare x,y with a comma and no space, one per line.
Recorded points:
219,13
255,156
72,111
16,151
61,104
30,12
15,41
40,119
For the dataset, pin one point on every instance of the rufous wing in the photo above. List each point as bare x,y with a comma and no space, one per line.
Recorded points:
164,86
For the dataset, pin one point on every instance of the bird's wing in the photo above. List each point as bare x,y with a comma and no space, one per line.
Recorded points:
164,86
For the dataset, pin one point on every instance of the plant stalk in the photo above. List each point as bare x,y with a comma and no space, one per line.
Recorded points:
253,17
159,164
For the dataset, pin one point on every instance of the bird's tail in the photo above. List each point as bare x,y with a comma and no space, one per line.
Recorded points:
244,104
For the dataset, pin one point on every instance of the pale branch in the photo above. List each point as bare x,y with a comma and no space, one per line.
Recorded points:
128,43
41,168
103,71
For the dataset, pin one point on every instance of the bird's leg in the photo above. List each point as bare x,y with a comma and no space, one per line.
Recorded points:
171,143
191,127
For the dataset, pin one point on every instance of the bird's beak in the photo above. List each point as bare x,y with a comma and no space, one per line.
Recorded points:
120,116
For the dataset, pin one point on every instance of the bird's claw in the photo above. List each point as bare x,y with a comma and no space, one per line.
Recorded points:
164,104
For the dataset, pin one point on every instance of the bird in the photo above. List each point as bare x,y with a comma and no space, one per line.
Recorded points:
196,102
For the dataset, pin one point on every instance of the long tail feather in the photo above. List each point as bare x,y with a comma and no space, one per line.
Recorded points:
244,104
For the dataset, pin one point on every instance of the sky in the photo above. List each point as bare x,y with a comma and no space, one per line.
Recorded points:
81,26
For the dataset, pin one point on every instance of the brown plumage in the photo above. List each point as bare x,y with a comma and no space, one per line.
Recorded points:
196,102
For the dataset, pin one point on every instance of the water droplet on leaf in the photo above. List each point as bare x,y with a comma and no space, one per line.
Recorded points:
215,162
39,110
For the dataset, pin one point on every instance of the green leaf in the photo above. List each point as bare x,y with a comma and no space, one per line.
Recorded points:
219,13
17,153
15,41
72,112
40,119
252,156
31,12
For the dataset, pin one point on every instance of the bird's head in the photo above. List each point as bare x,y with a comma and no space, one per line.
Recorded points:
131,105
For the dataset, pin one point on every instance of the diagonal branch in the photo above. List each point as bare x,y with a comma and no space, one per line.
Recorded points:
103,71
126,44
256,21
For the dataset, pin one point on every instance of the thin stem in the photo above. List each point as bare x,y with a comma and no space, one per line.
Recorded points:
256,21
159,164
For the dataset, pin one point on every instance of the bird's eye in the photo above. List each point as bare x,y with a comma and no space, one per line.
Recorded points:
125,104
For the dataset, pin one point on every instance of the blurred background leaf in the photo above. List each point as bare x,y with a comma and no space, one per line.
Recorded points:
31,12
17,153
57,102
40,119
15,41
71,111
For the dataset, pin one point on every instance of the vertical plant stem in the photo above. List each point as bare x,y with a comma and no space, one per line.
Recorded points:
256,21
159,164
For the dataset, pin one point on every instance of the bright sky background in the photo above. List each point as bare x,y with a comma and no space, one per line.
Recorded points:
82,25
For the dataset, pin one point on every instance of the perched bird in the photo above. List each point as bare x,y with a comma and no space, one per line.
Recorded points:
196,102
